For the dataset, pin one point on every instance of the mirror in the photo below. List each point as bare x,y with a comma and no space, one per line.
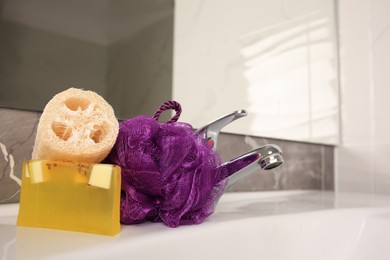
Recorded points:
275,59
120,49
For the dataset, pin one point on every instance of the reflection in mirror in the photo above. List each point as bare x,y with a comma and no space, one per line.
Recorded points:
120,49
275,59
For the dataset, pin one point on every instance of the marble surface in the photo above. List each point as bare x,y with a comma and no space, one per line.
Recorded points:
17,135
307,166
275,59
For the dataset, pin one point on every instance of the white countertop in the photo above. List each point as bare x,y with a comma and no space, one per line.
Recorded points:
234,214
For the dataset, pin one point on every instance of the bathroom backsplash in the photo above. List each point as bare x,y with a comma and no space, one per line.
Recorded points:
17,135
306,166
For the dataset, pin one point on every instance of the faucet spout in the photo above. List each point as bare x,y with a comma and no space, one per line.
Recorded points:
266,157
263,158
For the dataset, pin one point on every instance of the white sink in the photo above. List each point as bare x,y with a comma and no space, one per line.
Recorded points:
257,225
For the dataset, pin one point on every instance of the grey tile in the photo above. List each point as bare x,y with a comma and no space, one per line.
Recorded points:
17,135
306,165
329,168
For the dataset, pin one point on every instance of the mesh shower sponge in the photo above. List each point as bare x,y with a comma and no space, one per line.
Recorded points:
169,174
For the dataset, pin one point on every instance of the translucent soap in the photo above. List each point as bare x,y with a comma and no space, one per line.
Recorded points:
82,197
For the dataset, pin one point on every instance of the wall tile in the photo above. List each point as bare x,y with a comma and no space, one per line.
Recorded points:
362,161
306,166
275,59
328,168
354,169
17,134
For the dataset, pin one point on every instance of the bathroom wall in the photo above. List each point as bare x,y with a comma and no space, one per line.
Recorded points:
123,53
363,159
35,64
275,59
139,69
34,53
306,166
120,49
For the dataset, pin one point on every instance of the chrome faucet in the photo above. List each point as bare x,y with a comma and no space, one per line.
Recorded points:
211,131
266,157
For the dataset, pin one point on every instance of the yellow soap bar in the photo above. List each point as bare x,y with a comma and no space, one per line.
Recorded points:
82,197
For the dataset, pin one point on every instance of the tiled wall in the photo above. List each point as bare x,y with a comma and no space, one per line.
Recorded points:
307,166
275,59
362,161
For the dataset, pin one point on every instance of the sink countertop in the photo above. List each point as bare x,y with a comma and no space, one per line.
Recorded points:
220,236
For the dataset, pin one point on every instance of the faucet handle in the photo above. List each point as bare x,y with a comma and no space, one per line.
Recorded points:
211,131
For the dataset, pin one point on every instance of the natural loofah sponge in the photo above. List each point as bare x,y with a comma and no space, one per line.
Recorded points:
77,126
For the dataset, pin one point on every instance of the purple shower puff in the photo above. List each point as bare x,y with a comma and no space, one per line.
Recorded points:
169,174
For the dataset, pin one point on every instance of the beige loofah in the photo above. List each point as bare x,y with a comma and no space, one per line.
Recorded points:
77,126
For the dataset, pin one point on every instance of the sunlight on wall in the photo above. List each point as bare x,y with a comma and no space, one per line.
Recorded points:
276,59
293,63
